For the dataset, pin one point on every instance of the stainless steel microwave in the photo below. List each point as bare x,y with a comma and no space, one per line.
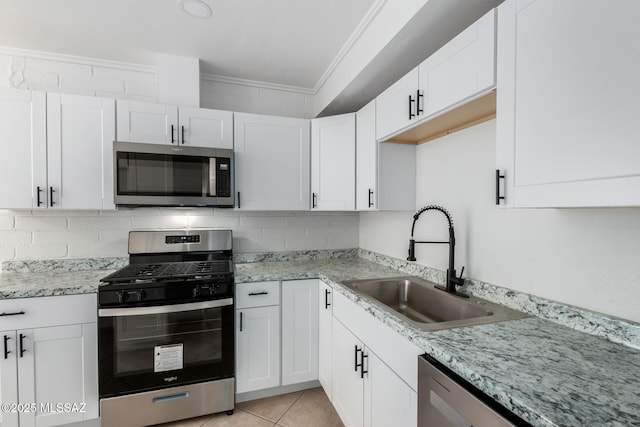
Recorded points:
165,175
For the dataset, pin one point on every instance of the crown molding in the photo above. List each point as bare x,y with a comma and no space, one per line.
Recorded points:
83,60
351,41
254,83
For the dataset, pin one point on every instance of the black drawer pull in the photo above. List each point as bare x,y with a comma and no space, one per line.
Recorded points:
356,364
499,176
411,101
6,349
240,321
15,313
362,370
22,350
251,294
326,298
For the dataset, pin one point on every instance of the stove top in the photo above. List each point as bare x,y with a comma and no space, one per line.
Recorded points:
169,270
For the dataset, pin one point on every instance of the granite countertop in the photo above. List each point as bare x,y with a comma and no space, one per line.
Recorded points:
547,374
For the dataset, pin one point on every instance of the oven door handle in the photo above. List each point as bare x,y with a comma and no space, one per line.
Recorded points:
163,309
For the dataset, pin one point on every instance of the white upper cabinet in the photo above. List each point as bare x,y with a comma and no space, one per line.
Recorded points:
273,158
385,172
23,143
80,133
397,105
460,69
201,127
333,163
568,103
147,122
366,158
458,73
168,124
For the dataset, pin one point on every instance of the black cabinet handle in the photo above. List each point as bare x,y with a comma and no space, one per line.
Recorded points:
326,298
418,108
182,134
6,349
498,178
15,313
51,191
411,101
238,200
314,200
370,198
356,364
172,137
38,191
240,321
258,293
22,350
362,370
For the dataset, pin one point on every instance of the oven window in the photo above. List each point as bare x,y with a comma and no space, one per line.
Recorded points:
145,174
167,341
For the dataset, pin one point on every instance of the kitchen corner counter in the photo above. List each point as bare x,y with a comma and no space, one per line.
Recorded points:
547,374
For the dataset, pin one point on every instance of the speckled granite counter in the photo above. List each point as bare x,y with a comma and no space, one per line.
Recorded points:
547,374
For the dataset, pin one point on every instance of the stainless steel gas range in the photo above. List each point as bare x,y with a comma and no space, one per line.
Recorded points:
166,329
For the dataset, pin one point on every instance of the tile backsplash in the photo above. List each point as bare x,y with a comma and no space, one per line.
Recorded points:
78,234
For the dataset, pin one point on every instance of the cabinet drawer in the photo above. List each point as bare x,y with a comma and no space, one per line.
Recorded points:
257,294
47,311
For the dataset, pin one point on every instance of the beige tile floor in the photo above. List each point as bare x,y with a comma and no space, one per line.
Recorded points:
309,408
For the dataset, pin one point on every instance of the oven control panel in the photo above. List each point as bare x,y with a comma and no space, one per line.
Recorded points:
192,238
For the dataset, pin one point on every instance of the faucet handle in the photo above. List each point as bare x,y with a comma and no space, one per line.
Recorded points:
461,271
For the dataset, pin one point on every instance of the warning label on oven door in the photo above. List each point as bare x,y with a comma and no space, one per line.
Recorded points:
167,357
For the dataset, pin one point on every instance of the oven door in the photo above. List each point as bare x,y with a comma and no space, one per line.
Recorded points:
147,348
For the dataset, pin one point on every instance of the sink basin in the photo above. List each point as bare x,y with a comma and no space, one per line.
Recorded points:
420,303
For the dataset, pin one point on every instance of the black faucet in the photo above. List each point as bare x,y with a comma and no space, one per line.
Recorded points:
452,280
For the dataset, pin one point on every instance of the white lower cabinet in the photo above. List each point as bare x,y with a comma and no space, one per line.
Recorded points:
43,366
325,340
258,348
257,336
299,331
276,334
374,370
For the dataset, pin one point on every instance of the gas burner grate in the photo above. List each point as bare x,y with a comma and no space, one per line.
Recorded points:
166,271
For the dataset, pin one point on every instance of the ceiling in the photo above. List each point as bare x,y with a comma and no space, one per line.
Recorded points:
287,42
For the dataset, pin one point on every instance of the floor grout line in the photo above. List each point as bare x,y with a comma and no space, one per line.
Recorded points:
290,406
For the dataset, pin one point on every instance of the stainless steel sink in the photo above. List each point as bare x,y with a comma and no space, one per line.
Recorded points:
420,303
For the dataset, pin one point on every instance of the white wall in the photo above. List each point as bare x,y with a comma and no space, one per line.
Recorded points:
25,69
81,234
583,257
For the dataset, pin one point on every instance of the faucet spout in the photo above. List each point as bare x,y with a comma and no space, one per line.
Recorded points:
452,280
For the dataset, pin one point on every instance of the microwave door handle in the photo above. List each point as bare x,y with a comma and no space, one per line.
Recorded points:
213,169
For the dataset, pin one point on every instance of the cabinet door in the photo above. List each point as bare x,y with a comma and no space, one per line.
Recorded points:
23,142
80,135
366,158
389,401
299,331
567,102
201,127
333,162
8,378
395,111
257,348
461,69
147,122
272,157
325,341
348,387
59,365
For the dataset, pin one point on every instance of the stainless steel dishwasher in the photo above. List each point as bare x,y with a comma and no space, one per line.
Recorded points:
445,402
